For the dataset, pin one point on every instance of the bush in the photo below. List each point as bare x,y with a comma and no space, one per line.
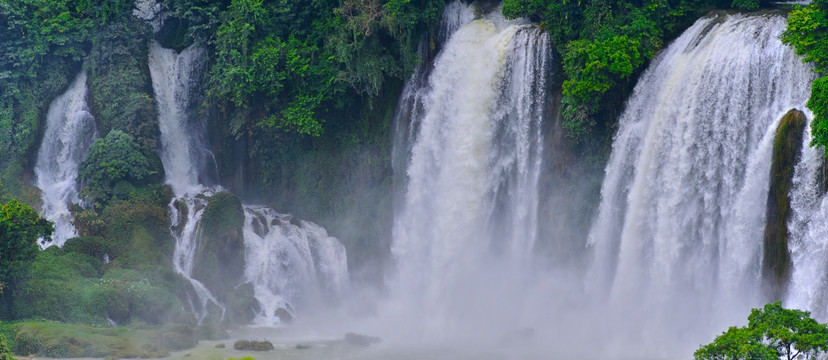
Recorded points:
111,160
5,352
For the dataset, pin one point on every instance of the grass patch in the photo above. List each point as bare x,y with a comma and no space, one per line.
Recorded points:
53,339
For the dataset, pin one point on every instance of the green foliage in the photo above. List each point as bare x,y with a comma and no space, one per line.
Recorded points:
118,79
54,339
603,43
772,332
43,44
5,352
745,4
807,32
590,65
111,160
288,77
20,229
818,103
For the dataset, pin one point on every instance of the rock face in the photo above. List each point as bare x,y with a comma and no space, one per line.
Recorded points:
787,149
219,260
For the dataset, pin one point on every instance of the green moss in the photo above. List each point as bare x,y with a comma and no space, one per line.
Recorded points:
786,151
219,259
223,215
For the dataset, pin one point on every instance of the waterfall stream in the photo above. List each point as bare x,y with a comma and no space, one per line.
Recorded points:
807,234
290,266
183,154
473,159
680,225
678,233
70,131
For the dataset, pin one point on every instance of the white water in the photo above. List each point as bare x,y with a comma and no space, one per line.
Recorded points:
808,231
184,155
70,131
472,160
676,246
291,266
184,152
678,237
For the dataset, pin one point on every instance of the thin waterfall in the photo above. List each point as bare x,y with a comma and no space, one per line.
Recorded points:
680,224
184,156
184,151
70,131
472,161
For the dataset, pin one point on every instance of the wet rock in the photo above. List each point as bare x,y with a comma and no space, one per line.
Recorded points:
253,345
787,148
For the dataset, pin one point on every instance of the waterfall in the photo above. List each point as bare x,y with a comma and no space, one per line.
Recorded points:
184,155
680,225
70,131
472,157
808,231
188,164
290,264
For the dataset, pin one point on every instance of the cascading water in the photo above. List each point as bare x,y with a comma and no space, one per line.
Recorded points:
807,231
70,131
184,156
473,161
184,153
681,220
290,266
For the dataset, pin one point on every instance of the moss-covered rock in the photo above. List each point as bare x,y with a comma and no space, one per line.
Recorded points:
787,148
219,259
242,305
253,345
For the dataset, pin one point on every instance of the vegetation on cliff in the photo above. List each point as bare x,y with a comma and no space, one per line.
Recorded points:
603,45
299,101
807,32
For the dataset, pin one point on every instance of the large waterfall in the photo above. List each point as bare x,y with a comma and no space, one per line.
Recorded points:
70,131
290,266
676,246
473,160
680,224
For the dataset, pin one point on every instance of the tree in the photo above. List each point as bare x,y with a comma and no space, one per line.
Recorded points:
113,159
772,332
20,229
